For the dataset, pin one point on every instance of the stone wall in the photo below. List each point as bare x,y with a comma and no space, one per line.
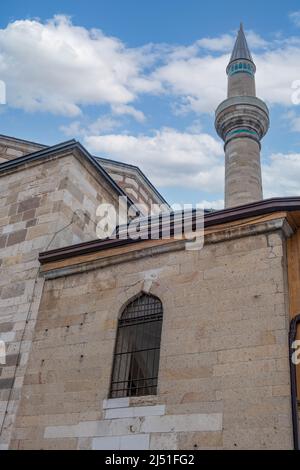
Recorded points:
42,206
135,185
224,370
128,177
243,180
11,148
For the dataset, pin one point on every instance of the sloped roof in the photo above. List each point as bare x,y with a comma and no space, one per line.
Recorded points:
100,160
107,161
69,145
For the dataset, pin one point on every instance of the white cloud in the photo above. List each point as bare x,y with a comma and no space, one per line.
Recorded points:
169,157
68,67
195,127
58,67
103,124
255,41
200,82
215,205
226,42
193,161
295,18
281,175
276,72
222,43
292,120
130,110
73,129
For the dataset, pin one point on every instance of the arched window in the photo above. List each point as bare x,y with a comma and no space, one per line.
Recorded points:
136,359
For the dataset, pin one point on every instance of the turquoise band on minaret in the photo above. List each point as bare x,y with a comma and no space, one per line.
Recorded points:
241,131
241,67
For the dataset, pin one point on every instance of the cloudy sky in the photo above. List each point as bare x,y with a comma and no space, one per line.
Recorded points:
139,81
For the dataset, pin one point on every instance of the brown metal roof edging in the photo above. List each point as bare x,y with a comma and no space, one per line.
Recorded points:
213,218
294,392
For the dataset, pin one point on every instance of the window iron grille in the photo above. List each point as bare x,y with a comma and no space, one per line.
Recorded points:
137,350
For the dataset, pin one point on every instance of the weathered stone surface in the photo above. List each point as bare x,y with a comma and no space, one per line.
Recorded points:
5,327
223,353
16,237
223,377
140,442
29,204
134,185
13,290
35,215
12,360
3,239
242,172
6,383
164,441
200,440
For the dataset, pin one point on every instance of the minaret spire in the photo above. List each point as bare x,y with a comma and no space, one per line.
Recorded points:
242,121
241,49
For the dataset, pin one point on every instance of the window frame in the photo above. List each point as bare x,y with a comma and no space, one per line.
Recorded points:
149,384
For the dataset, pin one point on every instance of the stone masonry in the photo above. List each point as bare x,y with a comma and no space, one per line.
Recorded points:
11,148
42,206
129,177
134,183
224,373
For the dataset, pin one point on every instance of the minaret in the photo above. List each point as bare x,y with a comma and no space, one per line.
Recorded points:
242,121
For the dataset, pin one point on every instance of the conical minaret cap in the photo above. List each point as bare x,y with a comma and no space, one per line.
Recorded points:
241,49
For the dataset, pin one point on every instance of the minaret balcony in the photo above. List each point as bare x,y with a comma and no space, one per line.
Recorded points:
242,116
241,66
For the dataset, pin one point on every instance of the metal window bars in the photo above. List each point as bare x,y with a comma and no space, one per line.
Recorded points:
136,358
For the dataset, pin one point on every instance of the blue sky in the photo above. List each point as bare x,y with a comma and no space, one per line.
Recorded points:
139,81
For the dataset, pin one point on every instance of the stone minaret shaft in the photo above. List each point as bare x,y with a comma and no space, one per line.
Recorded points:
242,121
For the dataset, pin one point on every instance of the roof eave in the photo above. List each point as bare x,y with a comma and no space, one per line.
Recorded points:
255,209
65,147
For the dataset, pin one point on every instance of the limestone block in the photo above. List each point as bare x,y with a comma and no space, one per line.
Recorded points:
200,440
16,237
28,204
139,442
182,423
135,411
106,443
14,152
163,441
13,290
84,443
